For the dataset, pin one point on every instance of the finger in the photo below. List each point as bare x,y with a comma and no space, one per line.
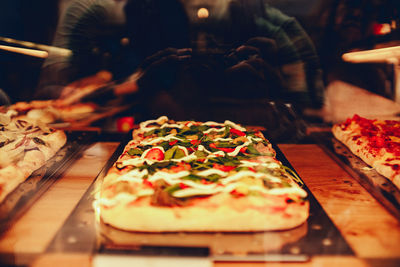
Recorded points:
242,53
157,56
243,73
161,73
125,88
184,52
257,63
169,55
266,47
245,52
166,61
270,73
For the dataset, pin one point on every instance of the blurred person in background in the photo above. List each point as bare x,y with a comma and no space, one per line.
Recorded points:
4,98
26,20
198,59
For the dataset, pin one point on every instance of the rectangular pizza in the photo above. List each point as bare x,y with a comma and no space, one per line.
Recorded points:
25,146
200,177
376,142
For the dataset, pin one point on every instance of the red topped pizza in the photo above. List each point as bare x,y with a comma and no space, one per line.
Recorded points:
376,142
200,176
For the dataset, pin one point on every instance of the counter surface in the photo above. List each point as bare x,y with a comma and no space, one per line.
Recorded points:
371,231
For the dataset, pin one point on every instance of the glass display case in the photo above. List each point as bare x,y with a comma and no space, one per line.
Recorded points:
97,69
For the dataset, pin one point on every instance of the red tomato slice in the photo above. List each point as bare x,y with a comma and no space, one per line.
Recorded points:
212,145
181,167
226,149
236,193
183,186
237,132
173,142
148,183
195,142
155,154
223,167
243,149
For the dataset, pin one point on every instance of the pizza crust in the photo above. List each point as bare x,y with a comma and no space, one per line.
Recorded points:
10,177
222,218
54,142
359,147
19,169
51,111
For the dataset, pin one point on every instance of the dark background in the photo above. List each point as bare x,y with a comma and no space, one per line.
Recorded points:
335,26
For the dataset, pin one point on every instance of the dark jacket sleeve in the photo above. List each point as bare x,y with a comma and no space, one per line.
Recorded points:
88,28
298,58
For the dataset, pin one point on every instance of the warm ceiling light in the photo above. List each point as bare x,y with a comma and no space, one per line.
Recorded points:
125,41
202,13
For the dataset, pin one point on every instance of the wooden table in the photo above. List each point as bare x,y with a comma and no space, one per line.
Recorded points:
372,232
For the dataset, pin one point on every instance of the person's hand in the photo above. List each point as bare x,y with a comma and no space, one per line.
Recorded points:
159,70
253,66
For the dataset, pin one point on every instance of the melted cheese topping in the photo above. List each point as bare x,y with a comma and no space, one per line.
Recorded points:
160,139
212,171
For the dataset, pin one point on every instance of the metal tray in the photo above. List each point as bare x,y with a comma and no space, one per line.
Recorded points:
377,185
23,197
83,232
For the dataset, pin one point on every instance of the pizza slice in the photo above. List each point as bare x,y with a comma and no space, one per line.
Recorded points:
200,177
376,142
51,111
25,146
75,91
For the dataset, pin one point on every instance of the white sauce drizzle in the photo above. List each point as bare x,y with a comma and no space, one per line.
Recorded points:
237,149
172,125
121,197
222,139
213,123
195,188
244,173
214,130
160,120
288,190
186,158
192,191
212,171
202,148
134,175
170,178
160,139
270,165
254,139
234,125
215,154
